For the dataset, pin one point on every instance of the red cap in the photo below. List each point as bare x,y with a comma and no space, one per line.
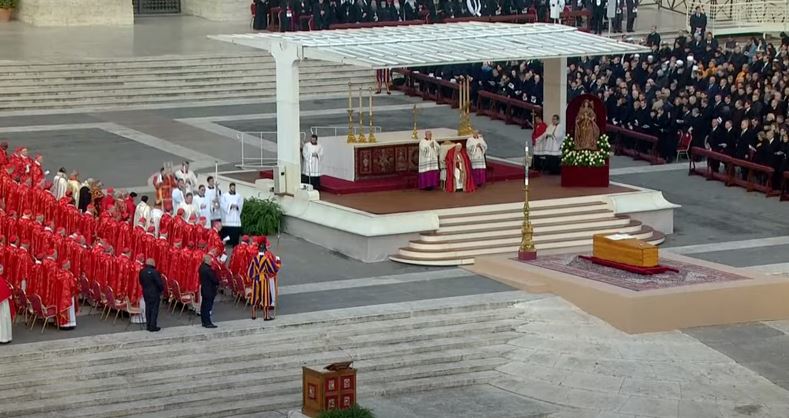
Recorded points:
51,252
126,250
27,212
245,238
48,185
68,193
180,211
110,190
140,257
91,206
40,256
14,238
151,228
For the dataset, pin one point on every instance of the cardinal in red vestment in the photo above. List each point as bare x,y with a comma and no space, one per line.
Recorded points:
7,310
458,164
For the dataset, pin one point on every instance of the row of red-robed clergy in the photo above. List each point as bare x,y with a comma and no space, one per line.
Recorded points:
46,254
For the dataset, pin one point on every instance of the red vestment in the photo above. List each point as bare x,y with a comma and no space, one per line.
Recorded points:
106,203
87,227
468,182
164,224
539,129
162,256
120,281
64,290
134,291
164,191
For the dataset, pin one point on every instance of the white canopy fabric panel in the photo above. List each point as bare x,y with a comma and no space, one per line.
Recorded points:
439,44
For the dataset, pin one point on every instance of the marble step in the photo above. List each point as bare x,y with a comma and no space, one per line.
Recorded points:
507,228
452,258
542,213
256,404
134,341
165,71
164,90
142,63
114,102
90,84
131,368
231,385
246,345
372,358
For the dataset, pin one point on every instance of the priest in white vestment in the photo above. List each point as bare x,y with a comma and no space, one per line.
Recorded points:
548,147
231,204
428,177
59,184
178,196
6,318
188,176
74,185
312,153
212,195
142,211
476,147
189,207
156,217
203,206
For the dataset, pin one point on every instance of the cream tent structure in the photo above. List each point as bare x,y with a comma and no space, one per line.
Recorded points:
414,46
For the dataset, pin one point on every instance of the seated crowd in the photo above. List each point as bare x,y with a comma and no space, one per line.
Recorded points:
65,239
296,14
731,97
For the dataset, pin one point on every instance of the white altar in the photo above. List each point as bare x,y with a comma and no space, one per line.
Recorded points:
393,153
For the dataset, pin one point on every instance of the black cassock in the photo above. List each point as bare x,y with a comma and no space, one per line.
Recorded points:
84,198
261,15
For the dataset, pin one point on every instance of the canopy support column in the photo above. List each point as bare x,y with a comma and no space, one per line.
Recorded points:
555,89
286,56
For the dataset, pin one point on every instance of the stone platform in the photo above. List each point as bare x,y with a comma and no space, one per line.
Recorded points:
701,294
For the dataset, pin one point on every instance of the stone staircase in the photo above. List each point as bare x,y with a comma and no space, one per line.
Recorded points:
159,80
242,368
565,223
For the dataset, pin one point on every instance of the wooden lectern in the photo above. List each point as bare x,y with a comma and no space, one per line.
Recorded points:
333,387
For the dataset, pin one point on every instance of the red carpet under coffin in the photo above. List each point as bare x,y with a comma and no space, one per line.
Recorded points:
497,171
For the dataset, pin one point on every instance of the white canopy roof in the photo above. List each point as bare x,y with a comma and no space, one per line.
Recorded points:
439,44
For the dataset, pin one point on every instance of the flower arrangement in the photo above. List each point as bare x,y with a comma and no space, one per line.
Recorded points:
585,157
8,4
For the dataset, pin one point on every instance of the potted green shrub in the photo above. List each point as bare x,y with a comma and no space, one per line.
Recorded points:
355,411
6,8
261,216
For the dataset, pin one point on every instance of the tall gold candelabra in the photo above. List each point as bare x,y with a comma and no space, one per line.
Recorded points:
527,251
414,133
351,136
360,136
464,106
371,133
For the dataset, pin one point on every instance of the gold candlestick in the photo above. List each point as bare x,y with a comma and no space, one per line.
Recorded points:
527,251
371,133
414,134
464,124
360,136
351,136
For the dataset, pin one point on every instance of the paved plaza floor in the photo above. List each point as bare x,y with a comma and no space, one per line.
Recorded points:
567,357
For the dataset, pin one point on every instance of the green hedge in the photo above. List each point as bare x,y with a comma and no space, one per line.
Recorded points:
260,216
355,411
8,4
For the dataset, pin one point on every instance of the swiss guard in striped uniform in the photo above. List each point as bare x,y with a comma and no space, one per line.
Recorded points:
263,273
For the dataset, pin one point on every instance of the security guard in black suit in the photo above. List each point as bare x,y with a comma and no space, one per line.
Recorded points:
208,287
152,288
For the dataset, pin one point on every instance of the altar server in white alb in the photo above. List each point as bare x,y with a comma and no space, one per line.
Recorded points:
6,319
312,154
429,176
476,147
142,211
548,147
231,204
60,184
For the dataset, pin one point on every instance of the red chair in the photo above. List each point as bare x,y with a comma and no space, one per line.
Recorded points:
84,289
112,305
683,146
44,312
96,298
22,304
182,298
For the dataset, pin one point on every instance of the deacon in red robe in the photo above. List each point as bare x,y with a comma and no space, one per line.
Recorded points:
65,292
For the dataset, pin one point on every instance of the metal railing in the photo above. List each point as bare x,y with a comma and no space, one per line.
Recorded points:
259,149
731,17
341,130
